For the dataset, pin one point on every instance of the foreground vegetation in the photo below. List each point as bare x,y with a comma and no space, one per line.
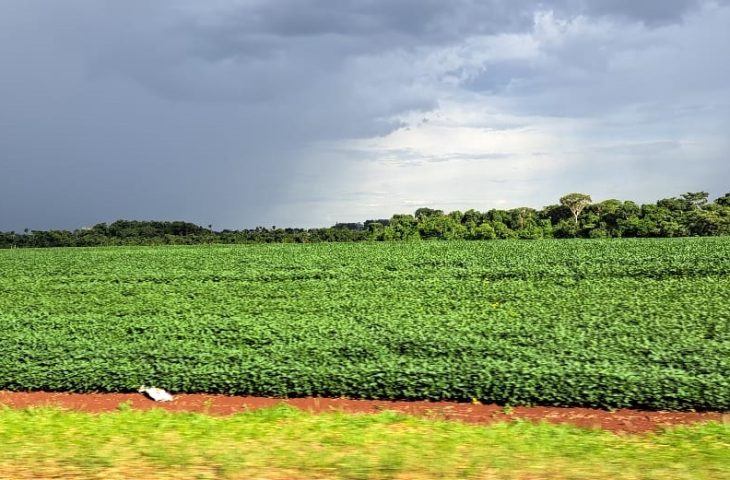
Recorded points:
691,214
608,323
283,443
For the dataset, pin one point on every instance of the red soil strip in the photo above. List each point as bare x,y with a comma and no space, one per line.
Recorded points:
628,421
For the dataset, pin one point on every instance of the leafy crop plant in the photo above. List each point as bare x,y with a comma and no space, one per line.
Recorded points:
607,323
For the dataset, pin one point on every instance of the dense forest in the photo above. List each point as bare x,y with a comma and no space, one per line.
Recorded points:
575,216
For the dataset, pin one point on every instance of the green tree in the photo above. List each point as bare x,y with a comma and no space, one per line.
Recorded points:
485,232
576,202
441,227
375,230
713,220
696,199
724,200
502,230
475,216
555,213
565,229
424,212
401,227
608,211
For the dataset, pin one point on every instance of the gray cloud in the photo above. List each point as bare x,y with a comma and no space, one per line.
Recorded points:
216,112
651,12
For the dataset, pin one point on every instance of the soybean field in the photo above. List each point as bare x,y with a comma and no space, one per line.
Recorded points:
639,323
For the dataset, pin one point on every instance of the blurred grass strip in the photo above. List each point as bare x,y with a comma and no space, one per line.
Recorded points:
285,443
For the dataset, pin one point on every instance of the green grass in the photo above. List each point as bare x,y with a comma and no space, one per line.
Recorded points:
284,443
611,323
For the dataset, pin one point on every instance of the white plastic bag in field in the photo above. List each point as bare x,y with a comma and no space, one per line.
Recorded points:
156,394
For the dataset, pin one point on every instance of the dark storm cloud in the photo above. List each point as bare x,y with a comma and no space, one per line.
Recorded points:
419,20
651,12
213,111
131,110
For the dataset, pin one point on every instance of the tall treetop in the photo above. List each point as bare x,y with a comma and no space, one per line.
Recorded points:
576,202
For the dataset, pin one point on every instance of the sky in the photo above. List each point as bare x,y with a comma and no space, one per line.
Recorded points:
239,113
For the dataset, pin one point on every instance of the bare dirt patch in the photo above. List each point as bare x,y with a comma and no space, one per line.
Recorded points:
624,420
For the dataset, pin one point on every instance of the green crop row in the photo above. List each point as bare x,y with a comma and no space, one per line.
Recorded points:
610,323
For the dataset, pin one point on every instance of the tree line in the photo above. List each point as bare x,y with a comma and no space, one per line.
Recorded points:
575,216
